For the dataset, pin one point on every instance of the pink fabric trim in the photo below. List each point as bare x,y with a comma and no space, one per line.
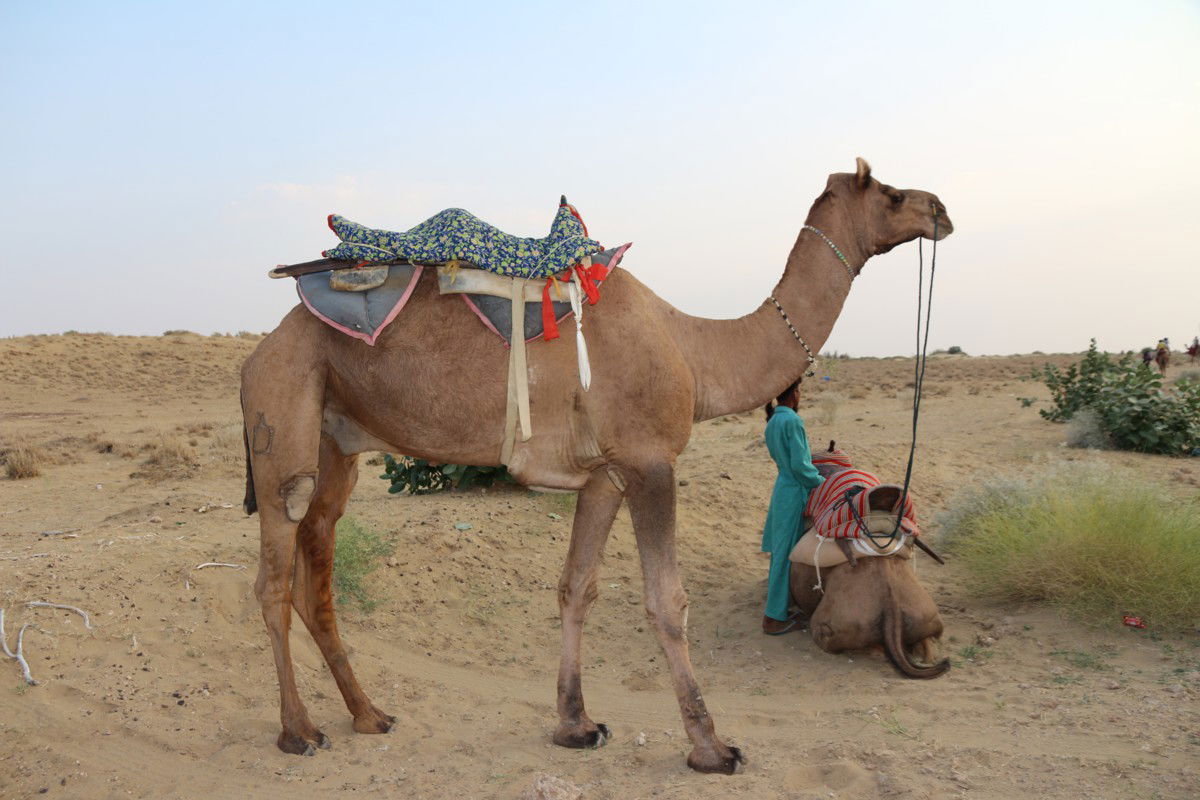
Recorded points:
369,338
615,261
487,323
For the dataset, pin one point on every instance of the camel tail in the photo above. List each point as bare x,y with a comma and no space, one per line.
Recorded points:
893,640
250,504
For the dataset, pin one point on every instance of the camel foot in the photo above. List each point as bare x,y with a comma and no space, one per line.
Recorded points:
302,745
374,721
723,760
582,735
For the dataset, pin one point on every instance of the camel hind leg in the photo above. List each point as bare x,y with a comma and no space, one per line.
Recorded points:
283,430
312,593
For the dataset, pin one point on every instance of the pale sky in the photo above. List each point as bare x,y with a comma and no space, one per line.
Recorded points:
158,158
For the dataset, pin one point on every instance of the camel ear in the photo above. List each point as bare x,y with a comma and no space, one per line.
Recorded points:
862,175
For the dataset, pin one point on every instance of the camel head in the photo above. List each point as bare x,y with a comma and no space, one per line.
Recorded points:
883,216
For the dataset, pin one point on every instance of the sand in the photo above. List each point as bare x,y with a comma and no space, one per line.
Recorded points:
173,694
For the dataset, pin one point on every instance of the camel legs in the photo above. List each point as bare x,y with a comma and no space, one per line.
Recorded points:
594,513
311,591
283,424
652,505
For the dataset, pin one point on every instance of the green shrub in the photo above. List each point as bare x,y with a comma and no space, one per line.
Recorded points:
1133,410
954,350
1095,544
1077,386
418,476
357,553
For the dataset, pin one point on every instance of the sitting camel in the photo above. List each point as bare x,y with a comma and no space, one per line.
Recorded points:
854,601
313,399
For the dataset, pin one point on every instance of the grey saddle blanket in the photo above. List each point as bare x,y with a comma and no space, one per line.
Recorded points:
365,315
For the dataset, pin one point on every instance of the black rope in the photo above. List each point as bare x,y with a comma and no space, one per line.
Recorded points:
920,361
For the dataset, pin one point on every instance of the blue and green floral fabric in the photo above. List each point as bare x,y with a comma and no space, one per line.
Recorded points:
458,235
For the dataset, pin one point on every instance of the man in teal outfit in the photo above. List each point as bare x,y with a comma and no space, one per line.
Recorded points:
788,445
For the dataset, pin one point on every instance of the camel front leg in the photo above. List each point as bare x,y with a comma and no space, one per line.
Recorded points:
652,505
594,513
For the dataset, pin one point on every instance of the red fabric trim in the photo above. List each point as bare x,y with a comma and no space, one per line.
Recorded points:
588,284
549,324
329,222
575,214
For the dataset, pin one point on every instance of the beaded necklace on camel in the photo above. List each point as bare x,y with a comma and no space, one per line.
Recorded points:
810,371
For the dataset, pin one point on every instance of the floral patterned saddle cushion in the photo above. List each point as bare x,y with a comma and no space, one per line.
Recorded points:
458,235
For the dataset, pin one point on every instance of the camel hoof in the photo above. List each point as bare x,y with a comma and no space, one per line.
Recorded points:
300,746
580,738
714,762
375,722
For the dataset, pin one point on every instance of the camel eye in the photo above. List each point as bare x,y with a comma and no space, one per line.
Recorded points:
896,197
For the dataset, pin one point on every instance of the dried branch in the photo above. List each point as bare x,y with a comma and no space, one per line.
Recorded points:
218,564
87,623
20,654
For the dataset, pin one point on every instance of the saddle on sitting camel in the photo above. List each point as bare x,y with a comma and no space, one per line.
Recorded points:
853,507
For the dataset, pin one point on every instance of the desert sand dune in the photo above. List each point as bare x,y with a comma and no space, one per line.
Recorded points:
173,692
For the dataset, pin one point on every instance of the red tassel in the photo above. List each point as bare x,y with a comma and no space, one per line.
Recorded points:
549,323
589,286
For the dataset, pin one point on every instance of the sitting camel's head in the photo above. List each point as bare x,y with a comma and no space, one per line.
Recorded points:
884,216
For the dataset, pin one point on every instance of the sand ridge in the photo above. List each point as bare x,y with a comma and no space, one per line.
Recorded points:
173,694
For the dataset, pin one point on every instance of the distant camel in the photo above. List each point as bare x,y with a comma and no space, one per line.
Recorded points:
1193,351
434,387
1162,357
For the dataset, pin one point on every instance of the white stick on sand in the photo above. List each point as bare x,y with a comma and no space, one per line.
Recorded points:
87,622
20,654
217,564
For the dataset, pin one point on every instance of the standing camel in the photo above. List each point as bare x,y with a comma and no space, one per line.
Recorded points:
1162,357
434,387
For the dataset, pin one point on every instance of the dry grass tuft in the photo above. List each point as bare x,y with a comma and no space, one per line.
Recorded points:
828,406
227,443
1093,543
1084,430
22,462
171,457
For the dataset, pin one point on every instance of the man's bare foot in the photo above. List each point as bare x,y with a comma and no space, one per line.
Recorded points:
778,627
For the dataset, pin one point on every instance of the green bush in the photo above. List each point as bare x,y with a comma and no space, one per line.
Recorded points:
1092,543
357,553
418,476
1132,408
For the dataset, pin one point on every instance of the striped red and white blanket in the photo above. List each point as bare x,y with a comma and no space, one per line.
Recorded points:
833,514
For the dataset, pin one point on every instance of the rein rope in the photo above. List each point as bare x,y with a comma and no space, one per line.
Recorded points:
919,362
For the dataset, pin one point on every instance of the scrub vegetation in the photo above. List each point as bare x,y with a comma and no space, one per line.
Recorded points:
358,552
21,462
1130,407
1093,543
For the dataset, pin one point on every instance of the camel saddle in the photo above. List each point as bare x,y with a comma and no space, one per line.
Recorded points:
360,286
853,514
456,235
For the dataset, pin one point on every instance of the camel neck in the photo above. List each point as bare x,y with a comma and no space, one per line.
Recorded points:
740,364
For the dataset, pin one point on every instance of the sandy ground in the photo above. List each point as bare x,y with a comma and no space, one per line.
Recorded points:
172,693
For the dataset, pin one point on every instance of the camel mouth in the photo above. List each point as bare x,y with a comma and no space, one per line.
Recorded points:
944,228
